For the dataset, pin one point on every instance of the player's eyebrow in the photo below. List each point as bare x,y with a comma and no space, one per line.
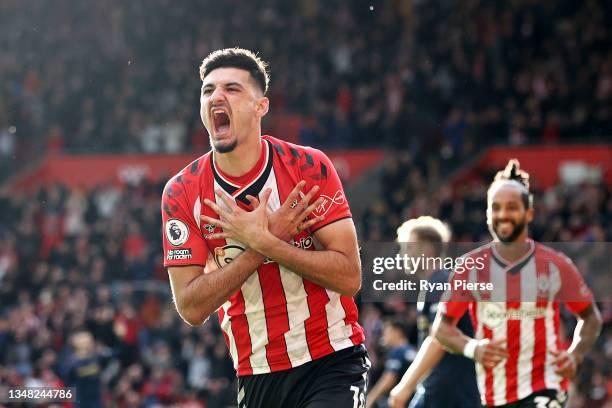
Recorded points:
227,84
234,84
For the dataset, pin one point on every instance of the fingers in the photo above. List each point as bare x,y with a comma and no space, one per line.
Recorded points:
490,364
556,360
493,354
231,205
306,199
293,196
495,351
219,235
498,342
216,208
561,369
566,368
311,207
491,361
264,198
498,347
216,223
501,352
498,353
561,360
253,201
213,221
309,223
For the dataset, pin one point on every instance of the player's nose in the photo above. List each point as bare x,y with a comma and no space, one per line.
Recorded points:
503,214
217,96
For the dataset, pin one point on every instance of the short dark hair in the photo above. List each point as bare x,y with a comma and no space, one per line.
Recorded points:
237,58
398,324
513,172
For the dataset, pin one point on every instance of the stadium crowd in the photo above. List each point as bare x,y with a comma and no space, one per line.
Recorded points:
80,306
85,299
116,76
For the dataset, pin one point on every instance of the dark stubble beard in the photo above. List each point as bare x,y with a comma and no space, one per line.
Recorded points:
224,148
516,231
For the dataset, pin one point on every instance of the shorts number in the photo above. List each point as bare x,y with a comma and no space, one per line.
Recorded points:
358,397
545,402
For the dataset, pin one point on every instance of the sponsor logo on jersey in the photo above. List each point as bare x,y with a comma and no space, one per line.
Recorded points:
494,314
226,254
327,203
177,232
178,254
304,242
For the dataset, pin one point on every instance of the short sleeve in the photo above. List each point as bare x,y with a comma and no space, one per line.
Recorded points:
183,241
335,205
456,301
574,291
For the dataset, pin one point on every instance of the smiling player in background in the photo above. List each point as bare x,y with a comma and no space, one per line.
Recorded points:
517,345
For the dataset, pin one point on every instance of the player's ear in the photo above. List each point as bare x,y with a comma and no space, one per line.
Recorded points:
530,214
262,107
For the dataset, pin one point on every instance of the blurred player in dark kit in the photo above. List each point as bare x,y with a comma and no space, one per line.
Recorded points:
400,355
440,379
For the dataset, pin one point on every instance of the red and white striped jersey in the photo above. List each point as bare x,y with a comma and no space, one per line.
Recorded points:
277,320
523,308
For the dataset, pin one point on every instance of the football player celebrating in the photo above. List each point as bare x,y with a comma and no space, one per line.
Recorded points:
279,266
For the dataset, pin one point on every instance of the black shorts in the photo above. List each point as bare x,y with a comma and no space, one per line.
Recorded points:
540,399
337,380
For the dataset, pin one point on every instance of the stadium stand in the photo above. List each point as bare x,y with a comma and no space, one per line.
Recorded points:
90,76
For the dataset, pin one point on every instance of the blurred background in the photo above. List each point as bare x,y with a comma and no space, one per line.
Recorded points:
417,102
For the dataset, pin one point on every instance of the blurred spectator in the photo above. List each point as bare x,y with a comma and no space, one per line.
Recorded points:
83,368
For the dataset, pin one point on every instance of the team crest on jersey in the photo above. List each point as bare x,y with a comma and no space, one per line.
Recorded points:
328,201
177,232
548,285
226,254
543,284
